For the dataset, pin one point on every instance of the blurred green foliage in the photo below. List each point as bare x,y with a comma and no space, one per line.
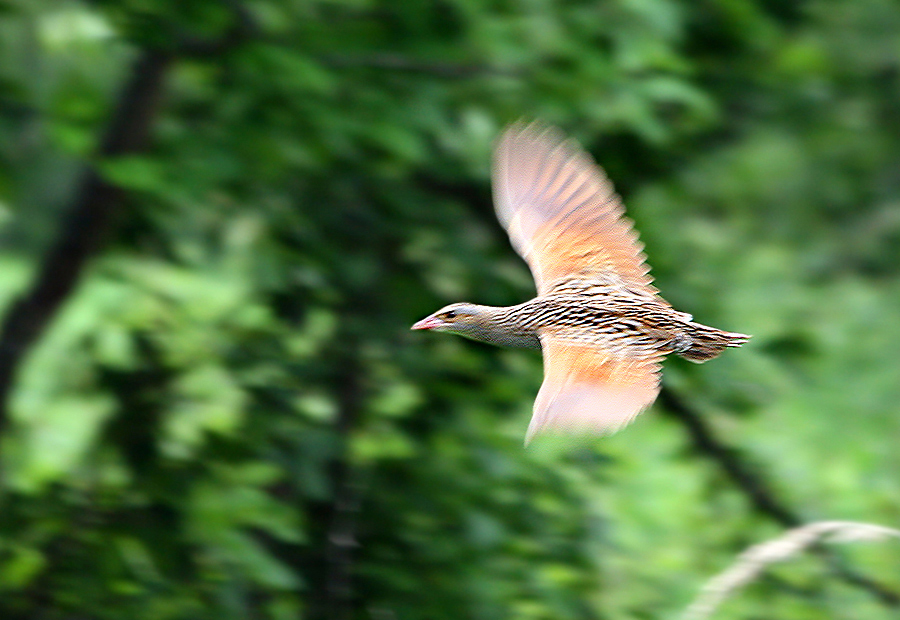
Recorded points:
229,418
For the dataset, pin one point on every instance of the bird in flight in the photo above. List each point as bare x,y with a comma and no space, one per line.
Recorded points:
601,325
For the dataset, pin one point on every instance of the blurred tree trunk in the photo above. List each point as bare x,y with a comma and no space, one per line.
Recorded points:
84,228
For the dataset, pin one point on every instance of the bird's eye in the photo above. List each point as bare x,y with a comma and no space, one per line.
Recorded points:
449,314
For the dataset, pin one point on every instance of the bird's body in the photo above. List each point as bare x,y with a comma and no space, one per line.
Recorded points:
602,327
581,311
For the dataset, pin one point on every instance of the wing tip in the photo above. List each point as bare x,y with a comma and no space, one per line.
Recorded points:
534,131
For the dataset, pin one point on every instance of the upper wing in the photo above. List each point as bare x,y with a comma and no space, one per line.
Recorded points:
591,389
561,212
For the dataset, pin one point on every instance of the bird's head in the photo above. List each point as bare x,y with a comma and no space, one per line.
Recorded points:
462,318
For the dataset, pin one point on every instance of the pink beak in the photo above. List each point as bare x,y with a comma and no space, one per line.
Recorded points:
428,322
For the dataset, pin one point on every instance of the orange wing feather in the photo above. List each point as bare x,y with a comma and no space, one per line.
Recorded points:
588,389
561,211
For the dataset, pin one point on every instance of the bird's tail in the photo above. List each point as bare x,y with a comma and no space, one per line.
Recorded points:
707,342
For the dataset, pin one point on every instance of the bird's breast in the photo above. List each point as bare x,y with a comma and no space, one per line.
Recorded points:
628,326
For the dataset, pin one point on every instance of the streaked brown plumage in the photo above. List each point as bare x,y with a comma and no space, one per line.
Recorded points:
602,326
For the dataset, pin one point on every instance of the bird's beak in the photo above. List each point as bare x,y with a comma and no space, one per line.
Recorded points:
429,322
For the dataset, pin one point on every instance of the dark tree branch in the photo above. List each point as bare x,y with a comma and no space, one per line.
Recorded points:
761,496
85,225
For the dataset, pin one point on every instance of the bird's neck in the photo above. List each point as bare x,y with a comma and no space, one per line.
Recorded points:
501,326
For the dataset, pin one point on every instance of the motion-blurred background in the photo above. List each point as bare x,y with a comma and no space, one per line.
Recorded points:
219,219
